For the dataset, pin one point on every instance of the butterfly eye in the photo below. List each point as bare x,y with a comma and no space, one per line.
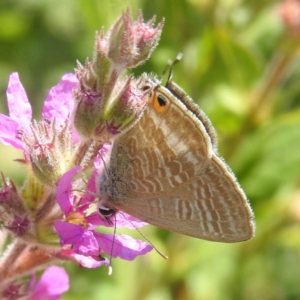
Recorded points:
160,103
145,88
106,212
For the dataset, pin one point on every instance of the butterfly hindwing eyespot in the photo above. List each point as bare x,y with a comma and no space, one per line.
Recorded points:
160,103
161,100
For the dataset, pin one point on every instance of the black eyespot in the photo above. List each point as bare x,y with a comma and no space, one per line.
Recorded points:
161,100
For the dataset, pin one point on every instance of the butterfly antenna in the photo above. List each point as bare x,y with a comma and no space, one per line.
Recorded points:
112,248
170,65
158,251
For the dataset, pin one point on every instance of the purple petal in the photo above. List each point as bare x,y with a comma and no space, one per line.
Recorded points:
59,102
123,246
96,220
89,262
52,284
8,132
82,240
68,233
88,198
88,245
64,191
125,220
75,136
32,282
122,219
18,104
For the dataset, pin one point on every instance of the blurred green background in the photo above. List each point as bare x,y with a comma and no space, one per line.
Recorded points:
241,65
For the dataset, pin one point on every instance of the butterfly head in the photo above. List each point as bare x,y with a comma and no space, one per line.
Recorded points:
106,213
156,99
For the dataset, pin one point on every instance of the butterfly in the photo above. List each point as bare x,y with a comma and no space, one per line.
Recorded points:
165,170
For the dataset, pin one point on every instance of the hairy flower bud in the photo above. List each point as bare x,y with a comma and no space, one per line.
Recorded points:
50,150
14,213
10,199
131,43
103,120
105,104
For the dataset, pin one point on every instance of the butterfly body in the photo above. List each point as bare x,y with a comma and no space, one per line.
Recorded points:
165,171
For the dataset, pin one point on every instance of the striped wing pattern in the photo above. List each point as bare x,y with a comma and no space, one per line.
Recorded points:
165,171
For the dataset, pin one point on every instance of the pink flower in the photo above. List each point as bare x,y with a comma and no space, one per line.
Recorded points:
100,105
80,232
52,284
20,113
289,11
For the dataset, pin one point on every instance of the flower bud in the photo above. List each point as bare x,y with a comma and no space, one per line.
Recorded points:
11,200
106,105
104,120
19,226
49,148
14,215
131,43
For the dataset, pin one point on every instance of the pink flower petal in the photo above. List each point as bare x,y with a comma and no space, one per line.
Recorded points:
59,102
84,261
89,198
75,136
88,245
82,240
64,191
89,262
18,104
52,284
68,233
123,246
122,219
96,220
125,220
8,132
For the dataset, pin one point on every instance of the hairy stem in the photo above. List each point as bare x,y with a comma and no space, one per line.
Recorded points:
9,258
21,260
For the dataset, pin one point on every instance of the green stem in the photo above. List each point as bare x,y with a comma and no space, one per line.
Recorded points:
262,98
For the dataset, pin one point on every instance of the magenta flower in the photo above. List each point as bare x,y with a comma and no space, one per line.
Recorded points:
48,218
20,113
48,145
52,284
80,232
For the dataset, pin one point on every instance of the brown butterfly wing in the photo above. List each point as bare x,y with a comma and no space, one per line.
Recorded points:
211,207
161,151
164,171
